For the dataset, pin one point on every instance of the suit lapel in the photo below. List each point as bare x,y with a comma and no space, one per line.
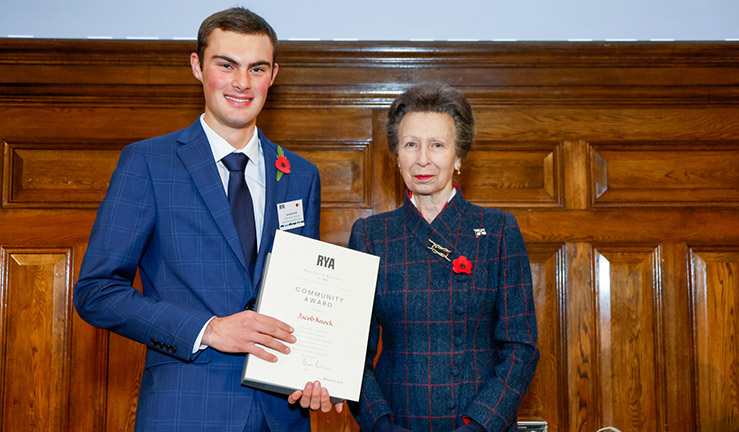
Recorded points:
197,157
431,237
275,193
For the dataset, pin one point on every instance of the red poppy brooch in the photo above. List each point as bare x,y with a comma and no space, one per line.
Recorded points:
462,265
282,164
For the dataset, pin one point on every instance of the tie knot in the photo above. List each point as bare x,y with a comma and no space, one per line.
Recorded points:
235,161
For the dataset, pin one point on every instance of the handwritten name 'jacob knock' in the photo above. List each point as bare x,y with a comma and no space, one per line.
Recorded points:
315,319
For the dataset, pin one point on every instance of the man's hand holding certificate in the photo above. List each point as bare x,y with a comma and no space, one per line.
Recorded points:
325,292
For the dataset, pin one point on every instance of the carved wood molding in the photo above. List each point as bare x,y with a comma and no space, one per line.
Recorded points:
370,74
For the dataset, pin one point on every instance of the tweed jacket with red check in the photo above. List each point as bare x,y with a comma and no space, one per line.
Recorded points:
453,344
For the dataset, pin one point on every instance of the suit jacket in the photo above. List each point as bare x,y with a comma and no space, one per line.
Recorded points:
167,214
453,344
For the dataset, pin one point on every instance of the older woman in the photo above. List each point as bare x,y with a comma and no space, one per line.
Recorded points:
454,297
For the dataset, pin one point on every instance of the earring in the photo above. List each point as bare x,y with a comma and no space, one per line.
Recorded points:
459,171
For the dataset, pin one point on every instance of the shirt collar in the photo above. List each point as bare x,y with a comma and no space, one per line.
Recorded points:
221,148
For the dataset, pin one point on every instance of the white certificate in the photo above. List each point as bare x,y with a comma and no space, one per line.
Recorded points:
325,292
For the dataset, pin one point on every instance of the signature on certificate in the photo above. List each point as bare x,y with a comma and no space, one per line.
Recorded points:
315,363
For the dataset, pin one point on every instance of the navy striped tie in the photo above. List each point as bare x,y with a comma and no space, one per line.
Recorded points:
242,208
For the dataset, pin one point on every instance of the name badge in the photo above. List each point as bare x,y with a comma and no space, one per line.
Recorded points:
290,214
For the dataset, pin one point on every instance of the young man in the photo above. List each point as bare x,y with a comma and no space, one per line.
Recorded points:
172,211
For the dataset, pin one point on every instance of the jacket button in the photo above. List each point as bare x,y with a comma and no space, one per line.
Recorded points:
451,404
458,341
462,277
455,371
459,310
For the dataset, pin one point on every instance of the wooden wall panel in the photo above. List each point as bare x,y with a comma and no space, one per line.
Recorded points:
545,400
519,174
616,123
91,122
714,278
627,280
58,174
619,161
678,346
88,375
582,355
124,368
35,331
670,173
344,170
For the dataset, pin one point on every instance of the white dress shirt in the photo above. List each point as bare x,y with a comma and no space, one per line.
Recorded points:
255,173
255,170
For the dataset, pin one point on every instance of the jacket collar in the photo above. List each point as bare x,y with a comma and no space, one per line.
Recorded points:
442,231
197,157
276,192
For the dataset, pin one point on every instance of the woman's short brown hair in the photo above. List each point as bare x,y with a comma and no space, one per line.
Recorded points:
438,98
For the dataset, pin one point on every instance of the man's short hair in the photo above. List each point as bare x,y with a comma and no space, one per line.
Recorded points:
238,20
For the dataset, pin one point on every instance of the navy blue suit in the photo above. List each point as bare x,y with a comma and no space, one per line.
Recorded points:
166,213
453,344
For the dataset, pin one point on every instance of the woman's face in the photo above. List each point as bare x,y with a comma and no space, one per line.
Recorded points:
427,155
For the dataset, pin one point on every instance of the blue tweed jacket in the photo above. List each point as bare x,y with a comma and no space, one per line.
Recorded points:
453,344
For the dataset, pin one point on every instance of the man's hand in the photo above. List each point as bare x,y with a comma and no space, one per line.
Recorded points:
314,397
241,332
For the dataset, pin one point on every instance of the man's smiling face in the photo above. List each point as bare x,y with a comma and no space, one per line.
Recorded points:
236,72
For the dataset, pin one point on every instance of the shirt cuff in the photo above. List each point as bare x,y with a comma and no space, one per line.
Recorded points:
198,345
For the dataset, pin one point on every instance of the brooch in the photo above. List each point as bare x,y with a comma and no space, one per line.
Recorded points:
439,250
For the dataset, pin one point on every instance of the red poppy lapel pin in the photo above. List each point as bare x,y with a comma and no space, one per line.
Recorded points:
282,164
462,265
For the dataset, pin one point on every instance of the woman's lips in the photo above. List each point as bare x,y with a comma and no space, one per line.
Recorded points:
423,177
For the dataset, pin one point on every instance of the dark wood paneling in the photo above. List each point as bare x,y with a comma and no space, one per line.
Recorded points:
511,174
627,280
37,308
547,395
619,161
583,412
58,174
669,173
714,279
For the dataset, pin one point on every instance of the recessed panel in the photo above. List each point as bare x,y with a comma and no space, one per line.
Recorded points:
57,174
627,283
37,303
513,175
668,174
548,390
344,170
714,276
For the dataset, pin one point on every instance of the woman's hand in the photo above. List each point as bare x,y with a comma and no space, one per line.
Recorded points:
315,397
